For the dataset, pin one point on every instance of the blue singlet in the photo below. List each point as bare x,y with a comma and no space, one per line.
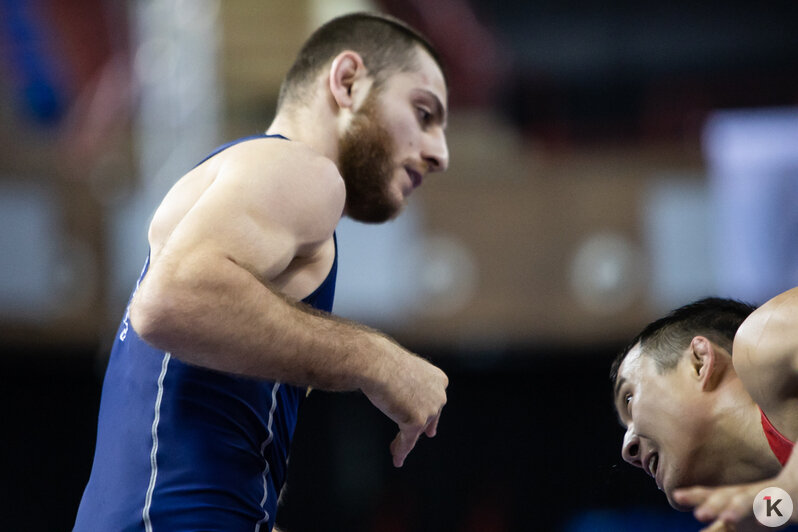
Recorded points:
183,448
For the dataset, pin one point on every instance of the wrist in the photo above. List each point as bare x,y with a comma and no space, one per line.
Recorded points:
786,480
380,363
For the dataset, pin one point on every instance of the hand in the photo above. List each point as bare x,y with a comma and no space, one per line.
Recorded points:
729,508
719,526
412,393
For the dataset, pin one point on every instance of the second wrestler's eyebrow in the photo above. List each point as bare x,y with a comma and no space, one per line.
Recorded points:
618,385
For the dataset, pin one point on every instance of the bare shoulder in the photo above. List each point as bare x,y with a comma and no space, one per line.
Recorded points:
280,160
766,348
288,181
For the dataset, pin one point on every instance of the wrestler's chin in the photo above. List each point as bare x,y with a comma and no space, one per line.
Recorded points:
398,202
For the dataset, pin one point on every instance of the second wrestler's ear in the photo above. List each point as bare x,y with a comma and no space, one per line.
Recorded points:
348,79
707,362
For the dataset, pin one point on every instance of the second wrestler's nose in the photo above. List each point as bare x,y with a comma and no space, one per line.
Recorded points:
631,448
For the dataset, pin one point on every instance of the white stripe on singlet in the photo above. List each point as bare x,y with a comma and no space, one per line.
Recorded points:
145,513
126,319
263,446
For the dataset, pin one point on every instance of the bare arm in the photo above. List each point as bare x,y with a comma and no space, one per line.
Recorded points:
211,295
211,312
766,353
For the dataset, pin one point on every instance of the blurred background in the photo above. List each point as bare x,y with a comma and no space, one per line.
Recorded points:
610,161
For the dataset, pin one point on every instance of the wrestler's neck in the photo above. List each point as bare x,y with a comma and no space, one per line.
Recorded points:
318,125
738,421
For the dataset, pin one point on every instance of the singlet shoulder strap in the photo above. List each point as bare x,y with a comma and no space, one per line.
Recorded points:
238,141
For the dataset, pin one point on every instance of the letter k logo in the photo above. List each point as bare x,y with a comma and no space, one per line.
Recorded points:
772,506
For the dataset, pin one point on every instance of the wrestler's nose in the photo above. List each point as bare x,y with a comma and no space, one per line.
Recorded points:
631,448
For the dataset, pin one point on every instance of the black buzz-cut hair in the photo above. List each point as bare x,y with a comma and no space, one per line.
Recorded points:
386,44
666,338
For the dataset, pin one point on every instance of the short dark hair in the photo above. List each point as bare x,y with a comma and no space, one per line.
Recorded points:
385,43
666,338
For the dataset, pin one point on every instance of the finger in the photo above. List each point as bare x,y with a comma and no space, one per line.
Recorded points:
691,496
731,515
711,508
432,427
738,507
402,445
707,512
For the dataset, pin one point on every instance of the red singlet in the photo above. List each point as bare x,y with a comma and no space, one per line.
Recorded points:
781,446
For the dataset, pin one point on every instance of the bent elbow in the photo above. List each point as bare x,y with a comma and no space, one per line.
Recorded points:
143,320
150,317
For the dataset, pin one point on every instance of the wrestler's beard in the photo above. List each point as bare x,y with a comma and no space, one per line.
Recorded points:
366,165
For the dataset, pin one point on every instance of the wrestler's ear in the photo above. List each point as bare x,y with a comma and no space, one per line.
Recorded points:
348,79
708,363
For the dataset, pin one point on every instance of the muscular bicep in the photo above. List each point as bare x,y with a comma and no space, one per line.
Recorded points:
223,226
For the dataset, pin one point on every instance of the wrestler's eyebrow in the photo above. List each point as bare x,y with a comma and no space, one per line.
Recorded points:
620,382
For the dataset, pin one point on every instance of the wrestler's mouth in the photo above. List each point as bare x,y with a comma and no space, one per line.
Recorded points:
651,466
415,177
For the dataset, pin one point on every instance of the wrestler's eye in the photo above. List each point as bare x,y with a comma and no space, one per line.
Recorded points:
627,399
424,116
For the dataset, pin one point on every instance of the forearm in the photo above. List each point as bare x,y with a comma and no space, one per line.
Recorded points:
232,322
787,478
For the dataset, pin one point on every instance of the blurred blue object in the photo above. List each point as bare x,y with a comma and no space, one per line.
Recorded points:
632,520
31,61
42,101
637,519
752,156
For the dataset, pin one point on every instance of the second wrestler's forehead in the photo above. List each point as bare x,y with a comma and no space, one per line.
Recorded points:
633,361
630,367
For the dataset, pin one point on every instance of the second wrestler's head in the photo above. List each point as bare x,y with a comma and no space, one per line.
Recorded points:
681,402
